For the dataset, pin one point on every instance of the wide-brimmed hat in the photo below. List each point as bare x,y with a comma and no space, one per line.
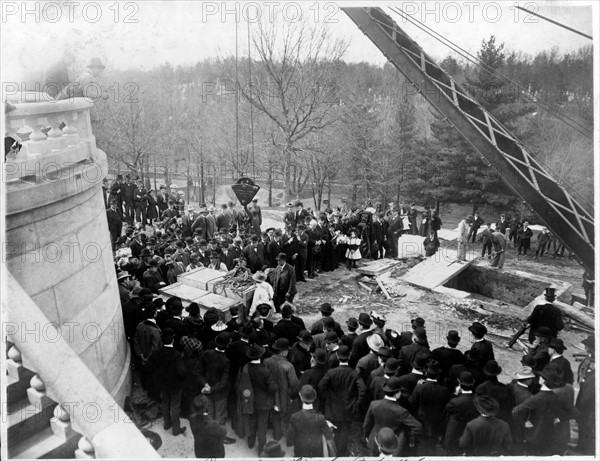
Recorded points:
551,376
305,336
219,326
222,340
543,332
491,368
255,352
375,342
282,344
122,275
453,337
524,373
273,449
478,329
417,322
393,385
392,365
558,345
326,308
387,441
343,353
308,394
486,405
259,276
473,356
469,218
263,309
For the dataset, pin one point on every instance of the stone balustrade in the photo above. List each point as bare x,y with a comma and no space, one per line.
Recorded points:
108,432
56,135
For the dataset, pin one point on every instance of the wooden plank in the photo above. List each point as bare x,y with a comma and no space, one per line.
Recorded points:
385,292
437,269
377,267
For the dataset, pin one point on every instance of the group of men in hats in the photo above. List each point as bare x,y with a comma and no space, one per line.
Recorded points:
315,385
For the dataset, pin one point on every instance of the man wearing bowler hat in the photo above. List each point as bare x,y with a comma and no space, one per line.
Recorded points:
485,348
300,355
495,389
213,377
284,282
360,348
458,412
427,402
326,311
448,355
285,380
556,347
389,370
344,393
308,427
546,315
387,443
386,412
486,435
539,352
255,392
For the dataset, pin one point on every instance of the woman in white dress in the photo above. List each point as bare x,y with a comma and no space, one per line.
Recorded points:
353,251
263,294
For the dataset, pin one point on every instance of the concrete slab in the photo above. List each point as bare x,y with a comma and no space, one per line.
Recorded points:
437,269
410,246
448,234
185,292
452,292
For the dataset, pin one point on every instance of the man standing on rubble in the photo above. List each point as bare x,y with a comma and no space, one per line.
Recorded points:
546,315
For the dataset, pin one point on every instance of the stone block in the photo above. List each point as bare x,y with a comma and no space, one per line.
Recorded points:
38,398
61,429
47,303
91,356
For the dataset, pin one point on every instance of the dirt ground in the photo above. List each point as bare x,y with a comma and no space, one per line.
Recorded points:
341,288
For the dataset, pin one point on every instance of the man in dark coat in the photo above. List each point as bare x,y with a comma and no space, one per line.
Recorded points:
541,409
255,391
213,376
285,380
274,249
153,279
360,348
556,347
285,328
128,191
115,224
386,412
312,377
485,348
416,375
502,224
472,361
408,353
147,340
448,355
427,401
284,282
299,355
497,390
477,222
344,392
486,435
308,427
175,322
458,412
301,214
520,391
394,232
326,311
546,315
169,372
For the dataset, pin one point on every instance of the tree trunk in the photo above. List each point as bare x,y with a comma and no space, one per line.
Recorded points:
155,187
270,182
287,156
146,174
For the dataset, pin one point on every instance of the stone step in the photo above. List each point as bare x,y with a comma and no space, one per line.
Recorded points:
16,389
44,445
26,419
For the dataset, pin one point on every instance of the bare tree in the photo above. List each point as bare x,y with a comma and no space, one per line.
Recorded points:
293,83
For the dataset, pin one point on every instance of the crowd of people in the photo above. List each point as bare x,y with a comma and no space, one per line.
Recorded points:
313,384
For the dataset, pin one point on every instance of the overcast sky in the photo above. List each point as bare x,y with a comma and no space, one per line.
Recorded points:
144,34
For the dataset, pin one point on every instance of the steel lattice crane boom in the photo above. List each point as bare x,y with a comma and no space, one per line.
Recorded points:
570,220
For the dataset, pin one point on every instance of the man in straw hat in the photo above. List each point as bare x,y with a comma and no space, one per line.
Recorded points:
308,428
520,392
387,413
486,435
542,410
